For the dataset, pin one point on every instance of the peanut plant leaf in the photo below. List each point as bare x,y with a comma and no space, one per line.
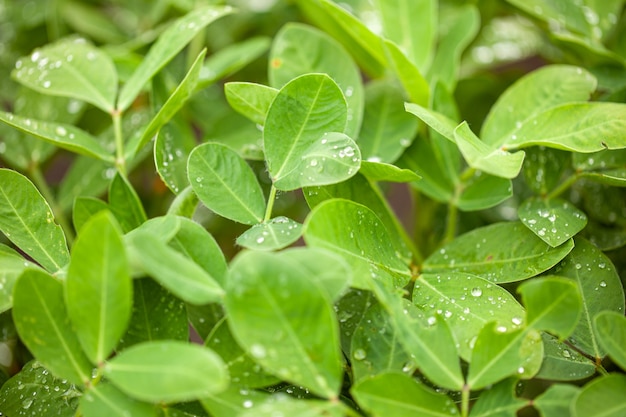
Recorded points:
98,287
499,401
125,203
167,371
400,395
59,134
34,390
556,400
27,220
303,346
611,330
417,41
179,274
387,130
174,102
437,121
481,252
412,80
357,234
562,363
467,303
169,43
312,136
234,401
291,407
12,264
250,100
71,68
43,324
380,171
225,183
553,221
532,94
105,399
600,288
277,233
324,55
544,168
84,208
483,191
172,146
601,397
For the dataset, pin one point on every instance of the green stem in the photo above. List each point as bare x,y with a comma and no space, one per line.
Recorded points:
451,222
42,185
270,204
465,398
120,161
564,186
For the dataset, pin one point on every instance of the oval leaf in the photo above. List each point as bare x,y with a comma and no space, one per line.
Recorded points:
611,329
251,100
277,233
105,400
602,397
12,265
378,171
225,183
562,363
172,146
554,221
556,400
167,371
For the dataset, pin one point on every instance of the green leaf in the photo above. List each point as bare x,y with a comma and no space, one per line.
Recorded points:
98,288
410,77
34,390
601,397
532,94
12,265
611,330
379,171
553,304
481,252
89,20
71,68
27,220
606,167
234,402
437,121
375,346
86,177
323,55
562,363
44,326
600,287
416,41
167,371
499,401
400,395
308,147
387,130
357,234
274,234
125,203
105,400
169,43
467,303
182,276
174,102
554,221
225,183
351,309
484,191
284,406
156,315
84,208
295,333
62,135
556,400
544,168
250,99
172,146
481,156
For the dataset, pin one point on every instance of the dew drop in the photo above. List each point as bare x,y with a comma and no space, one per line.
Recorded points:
313,162
258,351
516,321
247,404
47,84
260,239
578,266
520,370
359,354
60,130
601,265
476,292
431,320
603,284
566,353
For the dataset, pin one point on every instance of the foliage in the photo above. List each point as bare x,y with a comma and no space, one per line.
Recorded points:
382,208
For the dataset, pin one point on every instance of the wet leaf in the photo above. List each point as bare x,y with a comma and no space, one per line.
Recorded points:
234,401
484,191
561,362
556,400
125,203
302,408
172,146
544,168
274,234
84,208
106,400
251,100
379,171
601,397
553,221
611,330
12,265
499,401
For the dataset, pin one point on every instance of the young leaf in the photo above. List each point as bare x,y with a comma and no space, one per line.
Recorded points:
250,99
277,233
167,371
172,146
62,135
225,183
71,68
601,397
484,191
481,252
12,264
125,203
562,363
387,130
303,344
500,398
410,77
379,171
600,287
400,395
611,330
556,400
311,137
43,324
84,208
324,55
174,102
27,220
98,288
437,121
105,400
356,233
544,168
554,221
34,390
170,42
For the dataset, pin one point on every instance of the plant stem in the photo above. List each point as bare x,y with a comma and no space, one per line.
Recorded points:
465,397
120,161
451,222
562,187
270,204
42,185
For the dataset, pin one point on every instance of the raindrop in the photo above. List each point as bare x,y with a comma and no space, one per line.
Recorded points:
566,353
431,320
374,159
520,370
260,239
198,179
603,284
247,404
60,130
27,403
602,265
404,142
516,321
476,292
258,351
501,329
578,266
46,84
359,354
313,162
349,91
